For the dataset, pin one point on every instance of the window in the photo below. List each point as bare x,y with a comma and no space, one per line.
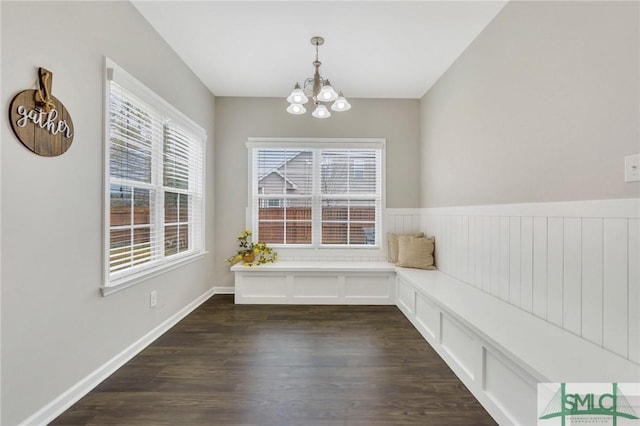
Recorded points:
316,193
154,175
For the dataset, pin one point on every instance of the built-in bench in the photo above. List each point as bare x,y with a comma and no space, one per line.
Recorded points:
292,282
499,351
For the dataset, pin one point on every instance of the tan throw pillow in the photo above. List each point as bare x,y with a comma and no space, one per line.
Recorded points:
393,243
416,253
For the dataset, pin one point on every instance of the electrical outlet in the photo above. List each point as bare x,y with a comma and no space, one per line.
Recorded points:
153,299
632,168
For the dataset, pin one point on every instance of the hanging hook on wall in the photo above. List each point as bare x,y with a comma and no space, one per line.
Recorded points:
43,94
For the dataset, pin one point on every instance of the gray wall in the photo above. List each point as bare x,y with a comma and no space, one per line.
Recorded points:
56,327
543,106
239,118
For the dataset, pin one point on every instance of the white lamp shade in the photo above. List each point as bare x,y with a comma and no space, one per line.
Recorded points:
341,104
297,96
327,94
321,112
296,109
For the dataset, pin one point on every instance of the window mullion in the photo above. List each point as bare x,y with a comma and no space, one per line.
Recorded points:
316,200
191,189
379,194
284,201
348,153
132,234
254,175
348,218
158,183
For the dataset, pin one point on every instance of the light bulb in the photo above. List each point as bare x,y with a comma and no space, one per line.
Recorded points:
341,104
296,109
297,96
321,111
327,93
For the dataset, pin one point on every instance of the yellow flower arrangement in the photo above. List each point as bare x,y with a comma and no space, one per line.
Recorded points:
252,253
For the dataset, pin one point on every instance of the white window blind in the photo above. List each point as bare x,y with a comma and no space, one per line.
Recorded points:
154,207
350,195
284,179
315,196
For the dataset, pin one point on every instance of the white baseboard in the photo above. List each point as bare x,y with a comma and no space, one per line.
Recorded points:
56,407
224,290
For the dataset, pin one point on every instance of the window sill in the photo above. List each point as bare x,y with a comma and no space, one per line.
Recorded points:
317,266
141,276
325,247
353,247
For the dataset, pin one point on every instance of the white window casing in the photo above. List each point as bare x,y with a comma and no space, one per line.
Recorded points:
316,193
154,183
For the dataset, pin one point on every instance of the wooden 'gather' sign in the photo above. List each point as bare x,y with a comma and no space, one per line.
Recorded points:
39,120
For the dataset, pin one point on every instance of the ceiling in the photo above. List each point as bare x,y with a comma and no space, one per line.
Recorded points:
373,49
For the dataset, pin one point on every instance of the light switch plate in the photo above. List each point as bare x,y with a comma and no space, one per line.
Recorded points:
632,168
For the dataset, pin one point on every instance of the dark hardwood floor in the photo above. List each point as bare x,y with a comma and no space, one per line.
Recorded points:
229,364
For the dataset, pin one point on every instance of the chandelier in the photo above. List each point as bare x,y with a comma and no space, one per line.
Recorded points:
319,90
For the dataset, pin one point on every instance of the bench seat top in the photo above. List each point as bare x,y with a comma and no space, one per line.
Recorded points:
547,351
317,266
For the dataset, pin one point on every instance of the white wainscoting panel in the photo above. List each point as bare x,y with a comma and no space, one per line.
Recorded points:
634,290
367,286
515,262
459,344
265,285
473,250
427,315
316,286
406,297
555,261
403,221
526,263
573,264
592,276
486,254
508,389
505,255
615,321
540,249
572,276
494,257
464,253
